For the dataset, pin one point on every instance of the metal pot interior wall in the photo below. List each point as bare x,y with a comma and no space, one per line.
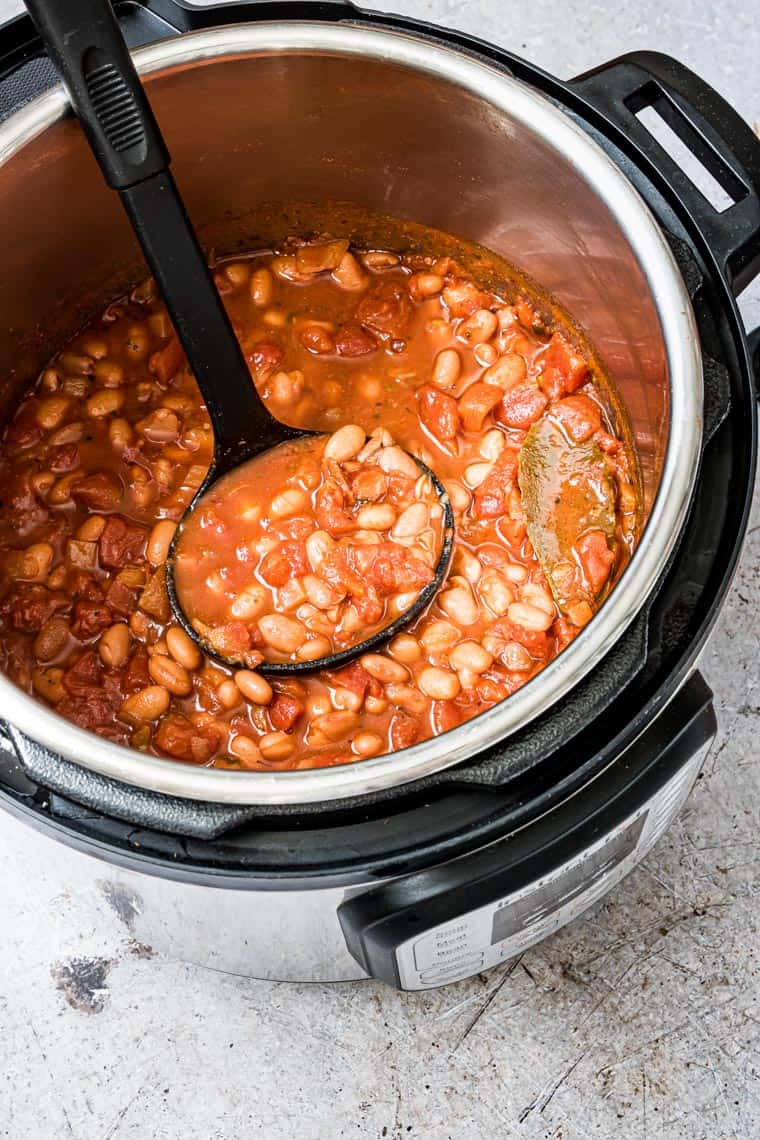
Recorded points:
265,145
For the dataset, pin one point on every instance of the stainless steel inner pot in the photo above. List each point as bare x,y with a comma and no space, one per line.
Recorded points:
278,112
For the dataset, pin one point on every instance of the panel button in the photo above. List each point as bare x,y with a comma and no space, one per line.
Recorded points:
442,945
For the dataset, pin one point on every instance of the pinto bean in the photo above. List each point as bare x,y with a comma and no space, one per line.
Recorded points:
276,746
246,750
439,684
447,368
169,673
366,744
52,638
182,647
146,704
384,669
254,687
261,287
159,541
345,443
104,402
113,645
284,634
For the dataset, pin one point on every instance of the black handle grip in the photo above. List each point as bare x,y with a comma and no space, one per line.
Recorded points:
89,52
714,132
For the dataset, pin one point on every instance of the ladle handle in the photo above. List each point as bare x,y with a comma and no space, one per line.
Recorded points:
85,43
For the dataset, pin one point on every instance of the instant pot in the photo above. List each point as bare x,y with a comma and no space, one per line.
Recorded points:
440,861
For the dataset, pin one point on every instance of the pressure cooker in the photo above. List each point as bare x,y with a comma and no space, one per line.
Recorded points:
446,858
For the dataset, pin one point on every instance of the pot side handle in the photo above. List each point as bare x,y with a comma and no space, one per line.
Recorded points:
712,130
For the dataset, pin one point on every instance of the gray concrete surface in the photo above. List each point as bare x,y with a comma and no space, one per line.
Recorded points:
639,1020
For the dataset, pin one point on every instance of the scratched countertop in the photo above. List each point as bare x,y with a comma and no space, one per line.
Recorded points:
639,1020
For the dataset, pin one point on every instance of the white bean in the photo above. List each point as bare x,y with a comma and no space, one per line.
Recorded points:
345,443
470,655
284,634
529,617
440,684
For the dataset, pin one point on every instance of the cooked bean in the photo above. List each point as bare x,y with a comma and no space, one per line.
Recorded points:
254,687
367,744
314,649
146,704
470,655
485,354
477,473
319,545
529,617
405,648
228,694
320,594
478,328
539,597
52,411
113,645
494,589
345,443
348,274
182,647
507,372
262,287
290,502
393,459
173,676
411,521
249,604
378,259
159,541
284,634
105,402
447,368
377,516
47,683
407,697
69,433
52,639
460,605
109,374
459,496
336,725
425,284
492,444
237,273
516,658
384,669
439,684
375,706
276,745
91,529
246,750
438,636
467,565
120,433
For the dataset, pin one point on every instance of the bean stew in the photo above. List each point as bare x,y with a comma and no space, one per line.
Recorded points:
386,354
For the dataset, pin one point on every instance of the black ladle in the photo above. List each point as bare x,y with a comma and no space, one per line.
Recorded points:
85,42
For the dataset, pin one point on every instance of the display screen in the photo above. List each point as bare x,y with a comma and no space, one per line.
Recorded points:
568,882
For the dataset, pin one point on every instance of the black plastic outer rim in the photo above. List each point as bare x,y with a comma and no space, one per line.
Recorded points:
569,100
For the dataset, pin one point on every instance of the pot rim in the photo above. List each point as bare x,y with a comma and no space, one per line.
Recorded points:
669,509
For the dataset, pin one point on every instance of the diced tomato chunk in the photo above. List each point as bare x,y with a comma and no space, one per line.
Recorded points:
330,510
404,730
563,370
26,607
596,558
286,561
386,309
521,407
338,572
395,568
136,675
121,543
177,736
284,712
579,415
438,412
446,715
167,362
100,491
90,619
354,677
477,402
489,499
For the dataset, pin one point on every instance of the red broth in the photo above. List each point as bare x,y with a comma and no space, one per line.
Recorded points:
112,443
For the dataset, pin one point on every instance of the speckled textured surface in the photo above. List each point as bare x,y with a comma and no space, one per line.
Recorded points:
639,1020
